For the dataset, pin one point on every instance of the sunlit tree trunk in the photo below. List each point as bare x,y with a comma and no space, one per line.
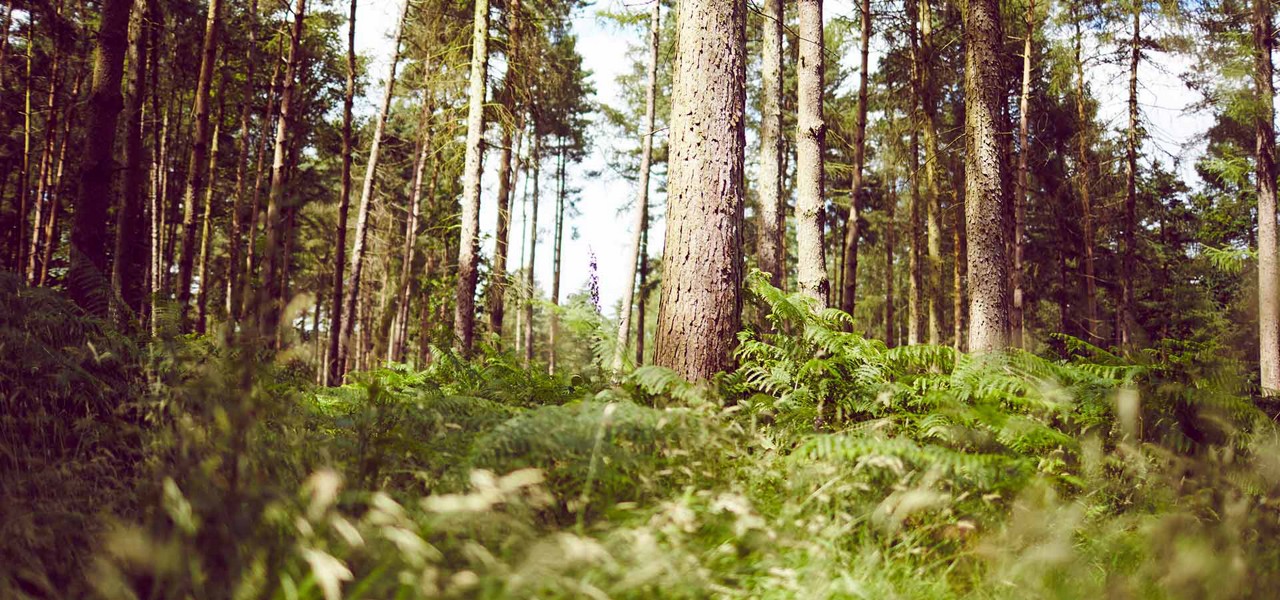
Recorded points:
196,163
464,315
810,144
1018,325
236,235
336,367
529,289
771,228
700,309
984,181
1265,146
849,277
206,231
642,190
506,173
933,192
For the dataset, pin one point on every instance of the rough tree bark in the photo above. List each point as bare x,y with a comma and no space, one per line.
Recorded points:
700,309
199,154
127,270
984,180
771,229
642,189
1265,146
557,249
87,281
933,192
811,276
464,313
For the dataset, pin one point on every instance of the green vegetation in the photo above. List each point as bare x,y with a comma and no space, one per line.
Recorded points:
825,466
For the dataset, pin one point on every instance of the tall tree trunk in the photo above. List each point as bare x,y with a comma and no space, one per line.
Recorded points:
772,226
642,190
510,129
1124,313
366,197
88,280
811,133
915,270
464,315
1265,146
196,163
396,351
337,362
24,174
933,192
557,248
530,290
849,278
251,258
984,180
642,287
890,241
269,315
42,199
1086,205
206,231
701,304
1018,324
57,190
127,269
237,234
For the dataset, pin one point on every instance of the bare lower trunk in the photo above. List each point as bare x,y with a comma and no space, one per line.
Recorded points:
127,270
529,289
395,351
507,170
236,235
1018,325
810,143
700,309
1265,138
336,362
849,277
984,181
1124,314
642,193
557,254
772,229
464,315
206,231
1086,205
933,193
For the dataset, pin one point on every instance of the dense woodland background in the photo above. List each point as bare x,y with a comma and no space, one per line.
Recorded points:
922,327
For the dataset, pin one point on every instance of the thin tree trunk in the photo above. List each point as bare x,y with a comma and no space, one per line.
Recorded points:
915,270
701,304
396,345
510,128
42,199
57,189
24,174
1265,146
643,289
336,366
1020,198
984,181
88,280
366,198
251,258
810,143
557,244
1086,206
236,236
196,163
769,244
890,240
206,231
933,193
464,317
127,270
530,290
1124,313
849,277
269,314
642,191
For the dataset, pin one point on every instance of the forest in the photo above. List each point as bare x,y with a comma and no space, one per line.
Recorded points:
914,299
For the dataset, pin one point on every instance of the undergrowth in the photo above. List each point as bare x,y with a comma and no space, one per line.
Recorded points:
826,466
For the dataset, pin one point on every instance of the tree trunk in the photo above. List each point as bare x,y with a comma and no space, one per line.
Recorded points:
396,345
530,290
88,280
1018,324
271,275
1124,313
1265,146
701,305
336,366
984,180
251,258
810,144
510,129
196,163
557,248
642,287
24,174
57,189
366,197
206,231
464,316
1086,205
127,270
890,240
933,193
42,200
849,277
235,237
642,191
772,226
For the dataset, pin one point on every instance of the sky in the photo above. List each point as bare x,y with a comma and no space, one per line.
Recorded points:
604,226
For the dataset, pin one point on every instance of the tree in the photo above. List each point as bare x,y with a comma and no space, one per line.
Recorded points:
1129,220
235,304
984,179
810,145
849,279
700,309
199,154
464,317
507,167
1265,177
771,229
642,191
337,325
1082,183
1018,324
87,281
